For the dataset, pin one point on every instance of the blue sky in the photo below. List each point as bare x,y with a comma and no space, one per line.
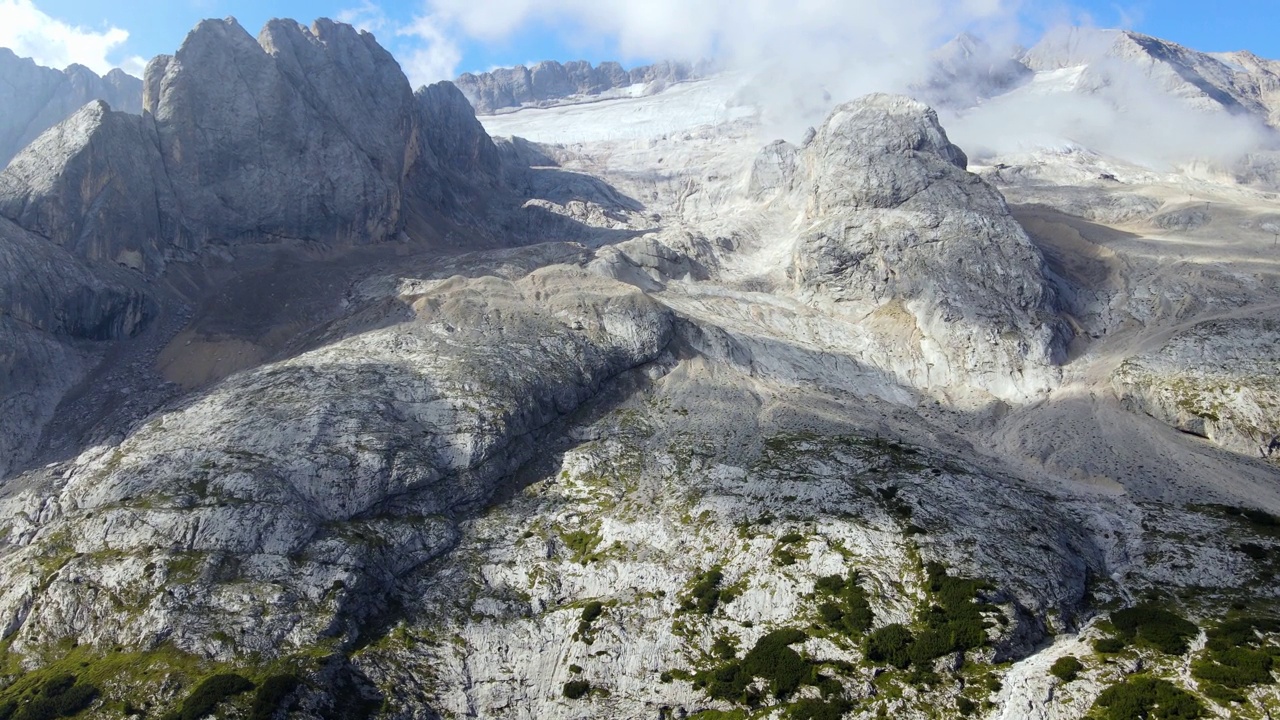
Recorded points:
440,37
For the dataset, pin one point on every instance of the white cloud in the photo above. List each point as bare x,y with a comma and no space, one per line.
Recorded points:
368,16
806,48
29,32
433,55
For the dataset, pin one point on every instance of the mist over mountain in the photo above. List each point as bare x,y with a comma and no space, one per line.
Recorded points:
685,391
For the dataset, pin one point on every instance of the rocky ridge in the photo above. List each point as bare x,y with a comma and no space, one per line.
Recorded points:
36,98
551,82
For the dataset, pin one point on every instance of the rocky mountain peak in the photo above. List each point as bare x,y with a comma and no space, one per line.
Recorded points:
35,98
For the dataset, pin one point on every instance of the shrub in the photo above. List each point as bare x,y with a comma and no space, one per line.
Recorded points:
930,644
1139,697
575,689
1235,668
890,644
724,648
704,595
1108,645
1155,627
271,695
1240,632
810,709
591,611
1066,668
966,706
773,659
210,693
847,610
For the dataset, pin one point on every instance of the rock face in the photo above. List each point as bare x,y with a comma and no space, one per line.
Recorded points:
96,184
306,133
37,98
1126,61
1216,380
894,228
347,489
56,314
548,82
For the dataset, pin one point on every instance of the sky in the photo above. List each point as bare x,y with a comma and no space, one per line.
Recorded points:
437,39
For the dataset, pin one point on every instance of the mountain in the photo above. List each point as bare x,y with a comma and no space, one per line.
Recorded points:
328,398
37,98
1119,60
553,82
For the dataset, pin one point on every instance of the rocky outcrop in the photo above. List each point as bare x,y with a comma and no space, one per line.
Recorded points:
36,98
895,231
301,134
292,491
1216,380
550,81
307,133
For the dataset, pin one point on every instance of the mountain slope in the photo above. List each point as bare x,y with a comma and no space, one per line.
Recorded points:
621,419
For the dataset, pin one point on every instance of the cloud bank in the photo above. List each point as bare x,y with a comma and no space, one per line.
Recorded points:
807,55
29,32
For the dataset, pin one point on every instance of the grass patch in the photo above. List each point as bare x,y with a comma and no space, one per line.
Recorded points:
582,544
60,695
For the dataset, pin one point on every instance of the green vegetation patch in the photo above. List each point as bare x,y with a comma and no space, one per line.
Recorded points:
1236,658
590,613
813,709
1109,645
705,593
1155,627
844,608
1066,668
891,645
576,689
784,671
582,544
209,694
1141,697
60,695
272,694
953,623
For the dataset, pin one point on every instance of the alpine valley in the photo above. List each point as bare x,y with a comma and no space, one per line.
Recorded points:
322,397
